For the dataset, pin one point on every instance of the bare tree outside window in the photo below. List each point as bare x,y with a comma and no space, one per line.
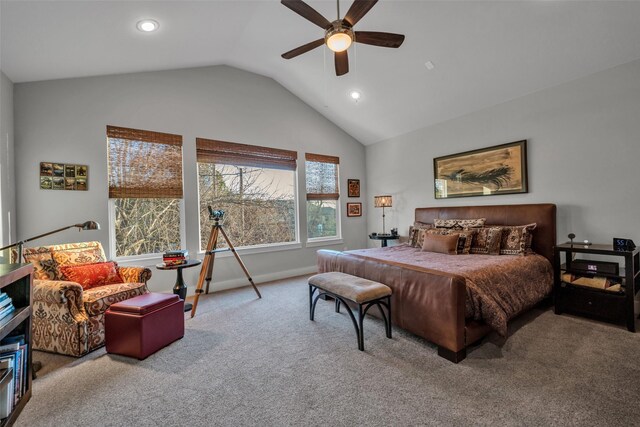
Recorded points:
259,203
146,226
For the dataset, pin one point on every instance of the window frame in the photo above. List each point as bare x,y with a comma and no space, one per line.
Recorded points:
260,248
152,137
321,241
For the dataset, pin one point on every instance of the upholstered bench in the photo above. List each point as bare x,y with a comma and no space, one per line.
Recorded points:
345,287
140,326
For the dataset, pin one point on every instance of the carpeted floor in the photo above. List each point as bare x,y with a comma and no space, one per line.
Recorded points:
245,361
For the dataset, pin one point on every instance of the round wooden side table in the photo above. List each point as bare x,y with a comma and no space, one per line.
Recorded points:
383,238
180,288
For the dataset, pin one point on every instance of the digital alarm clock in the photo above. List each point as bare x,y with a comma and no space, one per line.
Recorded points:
621,244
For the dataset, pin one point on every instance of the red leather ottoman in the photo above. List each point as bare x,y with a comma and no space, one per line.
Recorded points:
140,326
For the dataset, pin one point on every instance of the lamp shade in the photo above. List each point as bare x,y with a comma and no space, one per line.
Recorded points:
382,201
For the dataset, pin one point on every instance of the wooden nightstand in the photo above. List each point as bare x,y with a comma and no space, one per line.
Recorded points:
613,306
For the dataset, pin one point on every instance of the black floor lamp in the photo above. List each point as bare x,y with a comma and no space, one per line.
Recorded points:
88,225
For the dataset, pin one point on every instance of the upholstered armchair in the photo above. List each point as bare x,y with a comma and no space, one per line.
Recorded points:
67,318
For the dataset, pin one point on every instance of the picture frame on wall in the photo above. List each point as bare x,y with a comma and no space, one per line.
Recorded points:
354,209
499,169
63,176
353,188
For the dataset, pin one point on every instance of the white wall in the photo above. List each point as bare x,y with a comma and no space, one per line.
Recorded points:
7,181
583,150
65,120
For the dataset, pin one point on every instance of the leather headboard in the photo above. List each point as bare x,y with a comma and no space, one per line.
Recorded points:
543,214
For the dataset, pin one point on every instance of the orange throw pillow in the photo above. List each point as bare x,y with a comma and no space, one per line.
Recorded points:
92,275
444,244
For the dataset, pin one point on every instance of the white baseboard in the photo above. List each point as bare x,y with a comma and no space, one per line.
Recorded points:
242,281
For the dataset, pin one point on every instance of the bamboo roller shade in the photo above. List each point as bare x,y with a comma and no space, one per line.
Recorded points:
144,164
322,177
231,153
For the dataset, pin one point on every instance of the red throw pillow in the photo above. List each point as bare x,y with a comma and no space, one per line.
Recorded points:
92,275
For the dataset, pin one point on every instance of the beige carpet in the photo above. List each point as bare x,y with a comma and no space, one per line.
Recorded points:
245,361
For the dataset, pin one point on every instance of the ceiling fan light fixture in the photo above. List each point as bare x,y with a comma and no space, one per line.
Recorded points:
339,39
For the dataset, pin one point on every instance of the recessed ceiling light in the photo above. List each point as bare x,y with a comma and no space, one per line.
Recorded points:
430,66
147,25
355,95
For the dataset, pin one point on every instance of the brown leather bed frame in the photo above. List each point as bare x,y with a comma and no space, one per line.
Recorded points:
432,304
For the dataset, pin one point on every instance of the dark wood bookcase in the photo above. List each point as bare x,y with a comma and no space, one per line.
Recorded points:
598,303
15,280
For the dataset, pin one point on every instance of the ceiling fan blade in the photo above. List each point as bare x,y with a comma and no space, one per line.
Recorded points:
303,49
379,39
342,63
307,12
358,9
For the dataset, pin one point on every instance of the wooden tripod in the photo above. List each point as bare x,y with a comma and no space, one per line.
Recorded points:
209,257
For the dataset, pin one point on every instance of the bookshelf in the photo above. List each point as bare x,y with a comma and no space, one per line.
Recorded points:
15,281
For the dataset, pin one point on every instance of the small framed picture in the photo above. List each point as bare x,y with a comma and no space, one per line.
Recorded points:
70,171
58,182
353,186
81,184
46,169
58,169
45,183
354,209
81,171
69,183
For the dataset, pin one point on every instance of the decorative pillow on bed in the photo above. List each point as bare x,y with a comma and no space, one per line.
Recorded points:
459,223
515,239
413,232
487,241
441,243
464,240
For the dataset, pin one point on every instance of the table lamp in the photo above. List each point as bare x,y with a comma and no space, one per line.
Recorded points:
382,202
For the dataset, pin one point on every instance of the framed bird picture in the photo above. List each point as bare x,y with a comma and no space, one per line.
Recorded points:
501,169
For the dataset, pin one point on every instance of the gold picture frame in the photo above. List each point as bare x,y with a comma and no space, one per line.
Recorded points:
354,209
500,169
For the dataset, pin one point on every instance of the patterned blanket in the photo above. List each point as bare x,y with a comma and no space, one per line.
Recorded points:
498,287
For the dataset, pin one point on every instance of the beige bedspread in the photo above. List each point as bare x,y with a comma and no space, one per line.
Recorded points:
498,287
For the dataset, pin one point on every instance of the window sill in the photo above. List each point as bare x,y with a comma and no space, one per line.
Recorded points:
332,241
258,249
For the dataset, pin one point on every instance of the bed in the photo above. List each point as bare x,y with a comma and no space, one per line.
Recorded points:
455,300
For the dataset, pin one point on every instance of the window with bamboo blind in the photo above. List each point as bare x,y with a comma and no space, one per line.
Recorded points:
145,190
323,192
254,185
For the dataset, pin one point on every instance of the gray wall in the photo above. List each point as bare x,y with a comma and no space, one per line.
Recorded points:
7,177
65,120
583,149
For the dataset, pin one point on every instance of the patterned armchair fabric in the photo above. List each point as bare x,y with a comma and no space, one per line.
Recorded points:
66,318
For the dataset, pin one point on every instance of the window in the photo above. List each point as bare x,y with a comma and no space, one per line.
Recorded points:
145,191
255,186
323,191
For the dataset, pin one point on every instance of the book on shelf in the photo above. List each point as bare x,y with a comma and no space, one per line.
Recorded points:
6,389
4,296
5,302
7,310
13,355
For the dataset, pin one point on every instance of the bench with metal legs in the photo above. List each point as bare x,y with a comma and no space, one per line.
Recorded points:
363,308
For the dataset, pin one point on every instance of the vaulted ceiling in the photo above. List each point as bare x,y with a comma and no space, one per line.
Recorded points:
484,52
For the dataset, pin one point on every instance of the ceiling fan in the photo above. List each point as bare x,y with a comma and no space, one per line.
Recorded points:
339,34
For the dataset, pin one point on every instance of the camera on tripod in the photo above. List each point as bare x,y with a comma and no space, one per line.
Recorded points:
215,214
